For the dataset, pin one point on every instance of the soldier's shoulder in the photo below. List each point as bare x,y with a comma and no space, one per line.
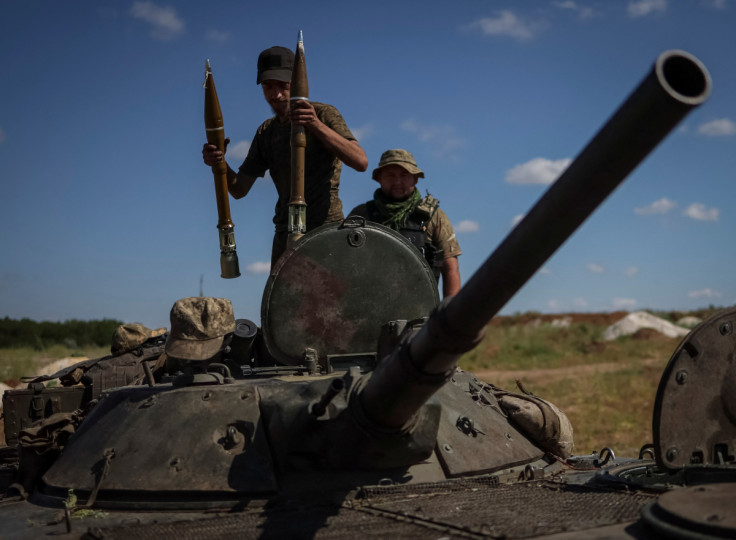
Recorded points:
325,110
428,206
266,125
319,106
430,202
360,210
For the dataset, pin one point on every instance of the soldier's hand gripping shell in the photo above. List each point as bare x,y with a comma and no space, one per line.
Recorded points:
211,155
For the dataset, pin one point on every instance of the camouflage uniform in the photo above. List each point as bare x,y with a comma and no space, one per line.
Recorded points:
439,229
271,151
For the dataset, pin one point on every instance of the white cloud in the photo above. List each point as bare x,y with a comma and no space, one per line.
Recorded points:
505,24
624,303
441,138
554,305
360,133
467,225
238,150
544,271
3,137
537,171
594,268
716,4
704,293
631,271
258,267
700,212
517,219
583,12
641,8
661,206
164,21
580,303
218,36
720,127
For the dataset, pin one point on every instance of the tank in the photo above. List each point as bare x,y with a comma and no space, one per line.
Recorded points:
345,414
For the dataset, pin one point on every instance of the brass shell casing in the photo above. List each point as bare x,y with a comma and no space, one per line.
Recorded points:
215,129
299,92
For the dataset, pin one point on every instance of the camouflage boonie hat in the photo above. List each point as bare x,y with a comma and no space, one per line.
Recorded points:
129,336
275,63
399,157
198,327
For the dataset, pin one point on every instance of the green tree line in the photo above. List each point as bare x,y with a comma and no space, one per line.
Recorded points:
71,333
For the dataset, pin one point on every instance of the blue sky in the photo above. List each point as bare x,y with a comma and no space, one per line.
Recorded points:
108,211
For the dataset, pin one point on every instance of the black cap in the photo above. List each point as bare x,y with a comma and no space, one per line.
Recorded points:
275,63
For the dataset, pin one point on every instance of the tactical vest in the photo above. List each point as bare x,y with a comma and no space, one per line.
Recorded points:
415,230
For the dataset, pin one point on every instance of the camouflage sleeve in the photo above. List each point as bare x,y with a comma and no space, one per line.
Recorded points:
332,118
441,235
255,162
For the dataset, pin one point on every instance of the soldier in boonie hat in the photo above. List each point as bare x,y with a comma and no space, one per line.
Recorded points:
399,157
199,326
132,335
397,204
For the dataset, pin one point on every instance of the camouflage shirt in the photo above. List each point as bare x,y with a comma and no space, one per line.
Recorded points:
439,230
271,151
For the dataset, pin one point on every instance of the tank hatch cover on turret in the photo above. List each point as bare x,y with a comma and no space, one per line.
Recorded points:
335,289
694,421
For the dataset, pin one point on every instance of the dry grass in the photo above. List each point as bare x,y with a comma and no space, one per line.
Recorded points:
607,389
26,361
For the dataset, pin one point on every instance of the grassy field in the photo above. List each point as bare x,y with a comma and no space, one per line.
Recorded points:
607,389
25,361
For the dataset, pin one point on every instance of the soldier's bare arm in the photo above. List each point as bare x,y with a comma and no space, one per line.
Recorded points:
237,186
347,151
450,276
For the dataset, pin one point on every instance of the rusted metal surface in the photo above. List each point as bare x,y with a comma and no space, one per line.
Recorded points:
338,286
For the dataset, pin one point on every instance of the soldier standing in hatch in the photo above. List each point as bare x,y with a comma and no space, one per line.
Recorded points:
329,144
398,204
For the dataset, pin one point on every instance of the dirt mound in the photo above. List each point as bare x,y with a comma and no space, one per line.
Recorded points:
601,319
650,334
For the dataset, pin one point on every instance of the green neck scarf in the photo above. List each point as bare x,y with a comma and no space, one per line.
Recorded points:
395,213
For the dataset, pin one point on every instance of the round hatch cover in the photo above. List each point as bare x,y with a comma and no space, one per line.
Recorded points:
697,512
338,285
694,420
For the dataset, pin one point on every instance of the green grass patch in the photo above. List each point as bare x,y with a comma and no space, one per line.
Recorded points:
606,388
17,362
543,346
611,409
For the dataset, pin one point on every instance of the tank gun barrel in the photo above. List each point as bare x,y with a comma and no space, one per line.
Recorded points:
677,83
